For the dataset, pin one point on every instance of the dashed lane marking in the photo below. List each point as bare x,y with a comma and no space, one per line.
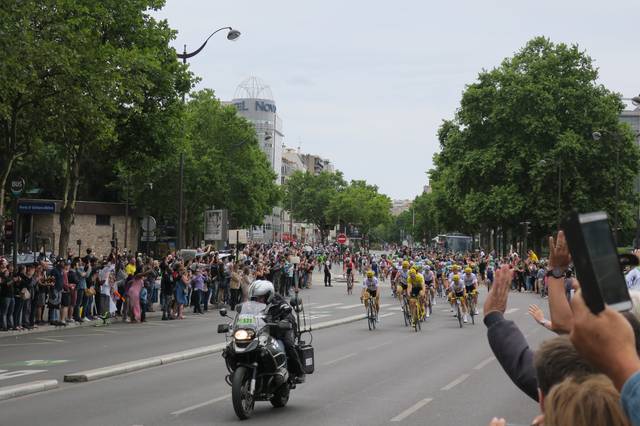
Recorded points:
202,404
484,363
512,310
409,411
342,358
330,305
350,306
456,382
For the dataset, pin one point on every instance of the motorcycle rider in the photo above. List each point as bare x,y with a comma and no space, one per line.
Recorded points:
277,310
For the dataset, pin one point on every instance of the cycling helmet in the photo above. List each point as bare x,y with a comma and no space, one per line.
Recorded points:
467,270
405,264
412,271
456,277
370,274
455,267
261,288
428,268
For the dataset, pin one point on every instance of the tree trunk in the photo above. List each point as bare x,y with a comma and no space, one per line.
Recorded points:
72,181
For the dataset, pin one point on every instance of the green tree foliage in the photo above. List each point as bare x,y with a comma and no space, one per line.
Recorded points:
500,154
361,205
309,197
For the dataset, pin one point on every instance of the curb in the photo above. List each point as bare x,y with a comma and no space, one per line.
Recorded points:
15,391
128,367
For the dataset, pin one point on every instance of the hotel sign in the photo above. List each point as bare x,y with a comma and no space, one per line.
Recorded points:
262,106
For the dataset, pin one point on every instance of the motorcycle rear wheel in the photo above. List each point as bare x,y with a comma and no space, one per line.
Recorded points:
242,402
280,396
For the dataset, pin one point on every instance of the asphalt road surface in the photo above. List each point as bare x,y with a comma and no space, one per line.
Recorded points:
442,375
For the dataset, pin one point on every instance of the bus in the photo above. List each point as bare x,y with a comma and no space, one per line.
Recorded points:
457,243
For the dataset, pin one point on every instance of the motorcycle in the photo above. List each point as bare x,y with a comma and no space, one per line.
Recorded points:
256,360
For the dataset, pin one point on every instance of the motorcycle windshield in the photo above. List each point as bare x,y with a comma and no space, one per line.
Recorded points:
250,316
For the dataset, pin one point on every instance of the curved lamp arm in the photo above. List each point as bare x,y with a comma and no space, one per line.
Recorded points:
184,56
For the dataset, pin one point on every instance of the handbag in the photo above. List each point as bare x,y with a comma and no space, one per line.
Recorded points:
25,294
90,291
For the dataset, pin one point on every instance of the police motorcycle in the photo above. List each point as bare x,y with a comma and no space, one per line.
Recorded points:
256,356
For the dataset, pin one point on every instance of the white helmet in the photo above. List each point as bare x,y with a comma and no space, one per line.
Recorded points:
261,288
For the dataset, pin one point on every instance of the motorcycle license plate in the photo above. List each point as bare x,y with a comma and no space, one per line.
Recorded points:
246,320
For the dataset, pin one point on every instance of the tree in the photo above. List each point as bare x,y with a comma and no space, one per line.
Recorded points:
116,81
499,155
309,197
361,205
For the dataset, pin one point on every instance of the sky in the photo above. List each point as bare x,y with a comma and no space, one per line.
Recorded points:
367,83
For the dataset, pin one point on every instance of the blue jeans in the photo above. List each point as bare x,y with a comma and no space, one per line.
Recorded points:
18,305
6,312
87,306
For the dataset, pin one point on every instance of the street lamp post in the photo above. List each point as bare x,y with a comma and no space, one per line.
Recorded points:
232,35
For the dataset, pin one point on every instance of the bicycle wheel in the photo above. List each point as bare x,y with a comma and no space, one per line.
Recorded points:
471,310
369,315
374,316
459,315
405,313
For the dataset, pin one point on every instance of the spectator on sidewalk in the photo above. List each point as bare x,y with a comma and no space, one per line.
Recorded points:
327,273
55,295
7,300
197,283
167,290
181,291
19,295
234,287
81,271
133,293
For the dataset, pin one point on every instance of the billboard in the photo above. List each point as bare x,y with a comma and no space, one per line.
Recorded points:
213,224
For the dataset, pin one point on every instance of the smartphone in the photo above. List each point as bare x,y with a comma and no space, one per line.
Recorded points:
596,261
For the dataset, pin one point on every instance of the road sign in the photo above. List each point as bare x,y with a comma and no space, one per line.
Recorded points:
148,224
342,239
17,187
148,236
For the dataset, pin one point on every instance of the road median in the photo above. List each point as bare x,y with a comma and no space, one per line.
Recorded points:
22,389
131,366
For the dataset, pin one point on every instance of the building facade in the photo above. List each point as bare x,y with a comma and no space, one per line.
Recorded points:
254,101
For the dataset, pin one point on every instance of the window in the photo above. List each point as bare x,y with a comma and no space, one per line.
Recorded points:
103,220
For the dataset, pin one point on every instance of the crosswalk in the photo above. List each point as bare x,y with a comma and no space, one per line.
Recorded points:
318,311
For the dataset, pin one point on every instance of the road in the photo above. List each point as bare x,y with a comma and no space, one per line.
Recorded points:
443,375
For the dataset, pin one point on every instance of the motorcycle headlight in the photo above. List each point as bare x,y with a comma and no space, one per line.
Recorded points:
243,334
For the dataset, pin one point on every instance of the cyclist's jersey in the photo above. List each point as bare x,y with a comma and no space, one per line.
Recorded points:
417,284
403,276
370,283
469,280
429,277
457,286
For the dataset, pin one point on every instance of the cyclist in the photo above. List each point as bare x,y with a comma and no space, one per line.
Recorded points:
370,289
471,286
429,280
454,270
415,291
401,280
348,265
457,290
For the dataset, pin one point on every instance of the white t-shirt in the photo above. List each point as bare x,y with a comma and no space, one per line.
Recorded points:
633,279
370,283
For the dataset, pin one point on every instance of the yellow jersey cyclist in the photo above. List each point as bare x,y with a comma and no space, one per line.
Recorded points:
415,291
401,280
458,290
471,286
370,289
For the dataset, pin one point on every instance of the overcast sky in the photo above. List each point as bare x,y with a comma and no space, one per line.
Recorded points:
366,83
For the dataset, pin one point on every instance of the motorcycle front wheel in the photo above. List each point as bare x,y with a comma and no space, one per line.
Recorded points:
240,393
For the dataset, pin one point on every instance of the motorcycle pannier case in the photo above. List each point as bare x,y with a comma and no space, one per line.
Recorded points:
306,357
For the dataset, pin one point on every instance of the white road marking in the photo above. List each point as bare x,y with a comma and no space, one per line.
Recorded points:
202,404
350,306
342,358
19,373
330,305
512,310
380,345
49,339
409,411
384,305
387,314
456,382
484,363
